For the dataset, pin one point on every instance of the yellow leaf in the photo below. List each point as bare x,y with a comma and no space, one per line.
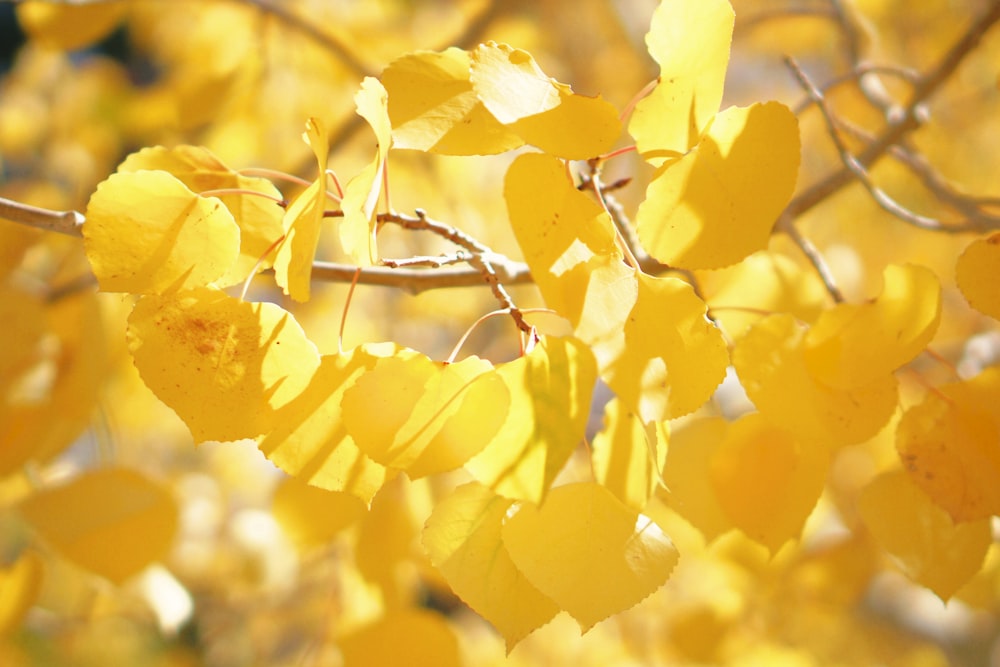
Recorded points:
718,203
686,471
770,363
922,539
766,480
433,107
20,583
690,41
852,345
463,540
23,314
302,222
357,228
223,365
258,218
763,283
950,445
52,403
387,541
112,521
309,439
568,242
976,272
543,112
147,233
412,637
550,391
312,516
69,26
669,358
589,553
627,457
425,417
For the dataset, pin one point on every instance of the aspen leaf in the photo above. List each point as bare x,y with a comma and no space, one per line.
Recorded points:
766,282
387,538
669,358
223,365
411,637
588,552
922,539
718,203
769,360
550,391
258,218
40,420
627,456
20,584
766,480
302,222
462,537
543,112
69,26
687,468
147,233
309,439
568,242
852,345
111,521
976,272
690,40
950,445
357,228
433,107
312,516
412,413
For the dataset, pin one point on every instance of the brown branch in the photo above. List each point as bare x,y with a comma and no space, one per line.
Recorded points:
898,127
63,222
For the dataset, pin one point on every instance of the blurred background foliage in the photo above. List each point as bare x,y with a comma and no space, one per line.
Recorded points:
262,570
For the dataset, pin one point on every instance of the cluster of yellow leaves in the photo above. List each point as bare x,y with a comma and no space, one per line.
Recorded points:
177,227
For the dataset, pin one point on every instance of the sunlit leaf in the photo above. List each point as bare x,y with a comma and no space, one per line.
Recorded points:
388,538
309,439
976,272
687,471
627,457
950,445
852,345
357,228
463,540
433,107
52,402
422,416
568,241
771,366
147,233
542,111
762,284
312,516
259,218
550,391
223,365
690,40
669,358
718,203
412,637
588,552
767,481
302,221
111,521
921,537
69,26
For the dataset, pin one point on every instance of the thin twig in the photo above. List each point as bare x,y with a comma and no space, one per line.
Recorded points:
63,222
897,128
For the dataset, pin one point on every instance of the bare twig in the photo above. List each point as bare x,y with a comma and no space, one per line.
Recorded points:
975,224
63,222
898,127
